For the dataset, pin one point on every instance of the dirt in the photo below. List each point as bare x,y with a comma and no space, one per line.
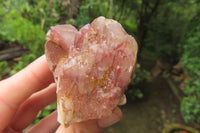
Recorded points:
150,114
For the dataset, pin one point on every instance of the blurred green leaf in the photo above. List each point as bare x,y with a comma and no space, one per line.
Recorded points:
4,68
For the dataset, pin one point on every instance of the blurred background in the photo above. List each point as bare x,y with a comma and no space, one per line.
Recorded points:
164,94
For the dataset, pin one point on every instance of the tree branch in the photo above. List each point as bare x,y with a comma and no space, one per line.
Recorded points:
12,53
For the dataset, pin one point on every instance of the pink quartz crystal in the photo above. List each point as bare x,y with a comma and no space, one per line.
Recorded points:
92,68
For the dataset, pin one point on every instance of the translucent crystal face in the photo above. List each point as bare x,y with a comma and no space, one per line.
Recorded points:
92,68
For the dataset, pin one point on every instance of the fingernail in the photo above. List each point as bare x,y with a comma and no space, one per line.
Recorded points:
115,117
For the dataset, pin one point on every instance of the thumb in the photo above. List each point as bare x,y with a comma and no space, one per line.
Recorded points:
92,126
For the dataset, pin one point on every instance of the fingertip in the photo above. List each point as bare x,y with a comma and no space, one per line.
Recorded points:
112,119
47,125
27,112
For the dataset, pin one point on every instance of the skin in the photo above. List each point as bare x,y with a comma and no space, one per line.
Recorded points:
23,95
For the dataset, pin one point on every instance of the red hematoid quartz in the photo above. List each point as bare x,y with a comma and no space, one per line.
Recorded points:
92,68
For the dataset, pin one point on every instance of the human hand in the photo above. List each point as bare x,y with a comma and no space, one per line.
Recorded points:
23,95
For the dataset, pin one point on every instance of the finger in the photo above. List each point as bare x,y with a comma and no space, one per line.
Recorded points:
115,117
19,87
28,111
16,89
10,130
92,126
47,125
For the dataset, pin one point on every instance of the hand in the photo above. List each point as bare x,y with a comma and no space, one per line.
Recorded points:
23,95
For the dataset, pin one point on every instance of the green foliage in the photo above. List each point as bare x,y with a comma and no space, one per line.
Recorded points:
4,68
193,87
190,105
190,109
42,12
166,31
191,56
24,23
91,9
134,88
83,16
26,33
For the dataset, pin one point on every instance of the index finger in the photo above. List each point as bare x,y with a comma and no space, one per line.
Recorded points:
16,89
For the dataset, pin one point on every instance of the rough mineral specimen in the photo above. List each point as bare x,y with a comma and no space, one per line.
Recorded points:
92,68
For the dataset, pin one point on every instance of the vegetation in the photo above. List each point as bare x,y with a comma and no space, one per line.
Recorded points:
170,29
139,78
4,68
190,106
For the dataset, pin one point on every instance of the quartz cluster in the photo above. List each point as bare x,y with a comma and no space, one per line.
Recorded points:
92,68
